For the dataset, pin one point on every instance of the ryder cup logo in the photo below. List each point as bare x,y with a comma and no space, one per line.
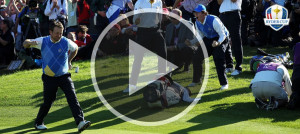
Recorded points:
277,17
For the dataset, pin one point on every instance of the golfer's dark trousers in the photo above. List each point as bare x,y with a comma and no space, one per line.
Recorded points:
51,85
153,40
232,21
218,56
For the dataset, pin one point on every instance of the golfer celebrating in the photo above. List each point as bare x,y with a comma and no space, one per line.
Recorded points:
56,63
215,37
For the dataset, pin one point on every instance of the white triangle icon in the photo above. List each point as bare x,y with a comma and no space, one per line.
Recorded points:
149,66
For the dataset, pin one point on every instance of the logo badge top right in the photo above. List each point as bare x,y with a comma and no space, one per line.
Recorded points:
276,17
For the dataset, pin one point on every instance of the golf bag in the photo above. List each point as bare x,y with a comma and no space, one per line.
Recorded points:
163,93
264,57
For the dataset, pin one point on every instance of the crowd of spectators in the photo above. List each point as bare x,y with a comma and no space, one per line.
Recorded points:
86,19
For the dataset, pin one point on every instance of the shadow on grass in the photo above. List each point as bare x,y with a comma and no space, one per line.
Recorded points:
226,114
26,131
82,86
222,94
6,72
65,113
101,119
244,75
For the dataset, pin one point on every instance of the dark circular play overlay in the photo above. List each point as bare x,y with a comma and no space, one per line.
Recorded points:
113,63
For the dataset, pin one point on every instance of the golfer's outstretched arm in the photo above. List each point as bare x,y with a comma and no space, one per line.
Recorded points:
29,43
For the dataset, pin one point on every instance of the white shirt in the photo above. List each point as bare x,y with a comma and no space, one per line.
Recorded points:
218,27
71,45
228,5
148,20
56,12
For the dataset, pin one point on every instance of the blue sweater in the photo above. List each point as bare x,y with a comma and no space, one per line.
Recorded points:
55,57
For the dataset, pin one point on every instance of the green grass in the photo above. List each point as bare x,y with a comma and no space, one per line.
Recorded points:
229,111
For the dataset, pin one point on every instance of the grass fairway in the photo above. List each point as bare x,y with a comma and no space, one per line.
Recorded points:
229,111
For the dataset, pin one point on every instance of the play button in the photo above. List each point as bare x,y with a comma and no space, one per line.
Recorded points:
152,73
112,74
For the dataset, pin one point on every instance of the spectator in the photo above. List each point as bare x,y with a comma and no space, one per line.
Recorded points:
72,18
127,28
124,23
2,2
187,7
43,19
245,18
149,37
213,8
6,42
116,8
11,10
99,7
57,10
169,3
267,85
23,3
165,20
295,21
81,37
113,42
176,34
16,6
231,17
27,18
3,11
248,13
83,41
17,28
295,97
83,10
215,38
